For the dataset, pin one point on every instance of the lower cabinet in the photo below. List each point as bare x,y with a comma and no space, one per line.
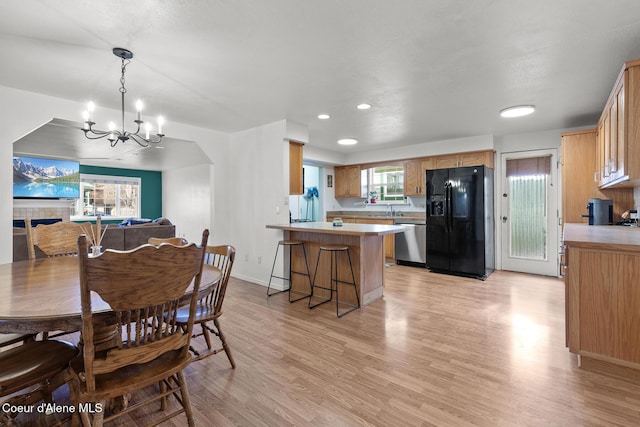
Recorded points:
603,320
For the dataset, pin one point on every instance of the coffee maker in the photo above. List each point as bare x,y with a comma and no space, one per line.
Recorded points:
600,211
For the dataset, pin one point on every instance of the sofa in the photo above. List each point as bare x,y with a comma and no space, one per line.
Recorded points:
121,238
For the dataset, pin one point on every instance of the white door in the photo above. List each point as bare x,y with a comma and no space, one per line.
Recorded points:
529,212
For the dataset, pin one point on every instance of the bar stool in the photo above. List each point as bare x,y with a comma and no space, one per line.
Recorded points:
290,244
333,251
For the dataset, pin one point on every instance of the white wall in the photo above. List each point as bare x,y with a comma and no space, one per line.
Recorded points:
258,195
21,112
187,206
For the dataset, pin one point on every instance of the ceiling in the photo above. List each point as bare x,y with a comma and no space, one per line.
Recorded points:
63,139
432,70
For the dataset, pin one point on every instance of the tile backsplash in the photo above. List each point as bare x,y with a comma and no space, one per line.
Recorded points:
42,209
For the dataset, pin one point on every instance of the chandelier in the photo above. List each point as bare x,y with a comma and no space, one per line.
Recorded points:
114,135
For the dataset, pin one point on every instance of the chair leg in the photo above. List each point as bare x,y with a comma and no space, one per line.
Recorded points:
186,402
355,288
163,399
206,335
225,346
308,274
314,284
275,258
98,417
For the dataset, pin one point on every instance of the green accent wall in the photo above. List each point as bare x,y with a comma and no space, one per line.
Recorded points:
151,187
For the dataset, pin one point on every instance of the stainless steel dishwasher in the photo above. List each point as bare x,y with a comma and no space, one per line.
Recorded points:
411,246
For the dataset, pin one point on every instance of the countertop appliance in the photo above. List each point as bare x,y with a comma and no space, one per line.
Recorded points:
460,221
411,245
600,211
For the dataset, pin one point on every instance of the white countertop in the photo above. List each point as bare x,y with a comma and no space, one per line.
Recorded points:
345,229
602,236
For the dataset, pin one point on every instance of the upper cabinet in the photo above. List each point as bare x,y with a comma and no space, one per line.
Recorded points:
295,168
347,182
475,158
414,169
415,176
618,132
579,160
350,183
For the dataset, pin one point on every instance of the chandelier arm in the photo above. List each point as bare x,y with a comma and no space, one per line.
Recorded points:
139,140
138,123
98,134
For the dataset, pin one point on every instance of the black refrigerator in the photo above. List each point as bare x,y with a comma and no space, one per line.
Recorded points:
460,221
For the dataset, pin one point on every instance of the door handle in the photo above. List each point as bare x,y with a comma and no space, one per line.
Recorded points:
504,219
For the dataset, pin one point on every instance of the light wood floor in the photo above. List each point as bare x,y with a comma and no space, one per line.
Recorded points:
437,350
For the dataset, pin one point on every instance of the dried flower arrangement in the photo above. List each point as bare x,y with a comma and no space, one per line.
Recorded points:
95,235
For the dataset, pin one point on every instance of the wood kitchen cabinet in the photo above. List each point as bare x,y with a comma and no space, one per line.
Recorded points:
295,168
415,176
618,133
578,160
475,158
579,178
602,267
347,181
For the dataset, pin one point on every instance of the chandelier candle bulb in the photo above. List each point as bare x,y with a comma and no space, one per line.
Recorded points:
85,116
160,123
139,109
90,107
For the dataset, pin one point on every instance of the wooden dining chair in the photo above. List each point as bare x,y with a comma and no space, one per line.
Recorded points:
176,241
30,373
57,239
209,308
144,287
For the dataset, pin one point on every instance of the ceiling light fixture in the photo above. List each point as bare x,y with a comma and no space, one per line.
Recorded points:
363,106
347,141
518,111
323,116
113,135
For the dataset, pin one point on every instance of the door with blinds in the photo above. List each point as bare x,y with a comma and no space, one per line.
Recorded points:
529,212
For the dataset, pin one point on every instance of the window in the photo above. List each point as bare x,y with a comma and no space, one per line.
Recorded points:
528,180
108,196
386,182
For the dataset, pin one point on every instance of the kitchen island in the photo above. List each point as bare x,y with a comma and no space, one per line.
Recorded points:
601,271
366,246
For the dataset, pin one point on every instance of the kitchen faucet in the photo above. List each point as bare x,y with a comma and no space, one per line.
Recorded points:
390,209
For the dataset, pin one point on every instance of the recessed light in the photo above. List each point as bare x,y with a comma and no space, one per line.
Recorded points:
323,116
518,111
364,106
347,141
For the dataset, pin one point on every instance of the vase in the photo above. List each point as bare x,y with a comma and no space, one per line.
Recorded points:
96,250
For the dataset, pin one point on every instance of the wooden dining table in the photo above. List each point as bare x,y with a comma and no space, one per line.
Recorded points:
43,294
